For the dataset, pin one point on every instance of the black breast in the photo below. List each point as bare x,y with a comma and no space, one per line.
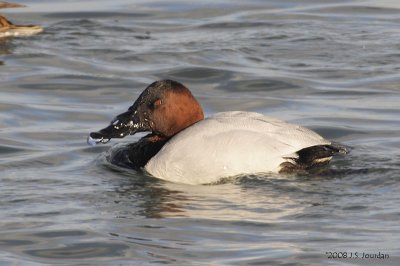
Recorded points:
136,155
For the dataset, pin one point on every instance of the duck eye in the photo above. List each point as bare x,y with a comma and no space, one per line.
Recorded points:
157,103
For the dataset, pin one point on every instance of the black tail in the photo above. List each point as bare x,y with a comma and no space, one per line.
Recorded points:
311,157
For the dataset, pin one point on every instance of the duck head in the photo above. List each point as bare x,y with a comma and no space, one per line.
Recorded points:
164,108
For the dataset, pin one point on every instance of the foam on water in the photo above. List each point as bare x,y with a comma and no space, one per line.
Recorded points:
91,141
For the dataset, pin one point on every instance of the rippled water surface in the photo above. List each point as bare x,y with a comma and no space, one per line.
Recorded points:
333,66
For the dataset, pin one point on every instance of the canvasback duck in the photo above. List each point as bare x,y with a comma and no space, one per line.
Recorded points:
184,147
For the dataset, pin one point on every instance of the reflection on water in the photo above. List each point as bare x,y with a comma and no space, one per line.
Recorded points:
5,48
330,66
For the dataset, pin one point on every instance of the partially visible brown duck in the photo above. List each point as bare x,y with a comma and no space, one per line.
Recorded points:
8,5
7,28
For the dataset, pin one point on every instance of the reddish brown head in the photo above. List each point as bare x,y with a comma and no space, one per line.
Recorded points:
165,107
172,108
5,23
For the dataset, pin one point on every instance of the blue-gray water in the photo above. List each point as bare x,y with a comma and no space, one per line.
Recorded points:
333,66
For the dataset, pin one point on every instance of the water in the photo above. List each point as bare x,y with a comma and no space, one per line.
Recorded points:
332,66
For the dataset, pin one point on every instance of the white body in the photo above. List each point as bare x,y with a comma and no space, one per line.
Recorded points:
15,31
229,144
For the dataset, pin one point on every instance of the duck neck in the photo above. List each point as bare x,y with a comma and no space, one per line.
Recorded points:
142,151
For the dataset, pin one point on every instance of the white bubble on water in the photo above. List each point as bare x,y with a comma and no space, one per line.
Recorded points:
91,141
